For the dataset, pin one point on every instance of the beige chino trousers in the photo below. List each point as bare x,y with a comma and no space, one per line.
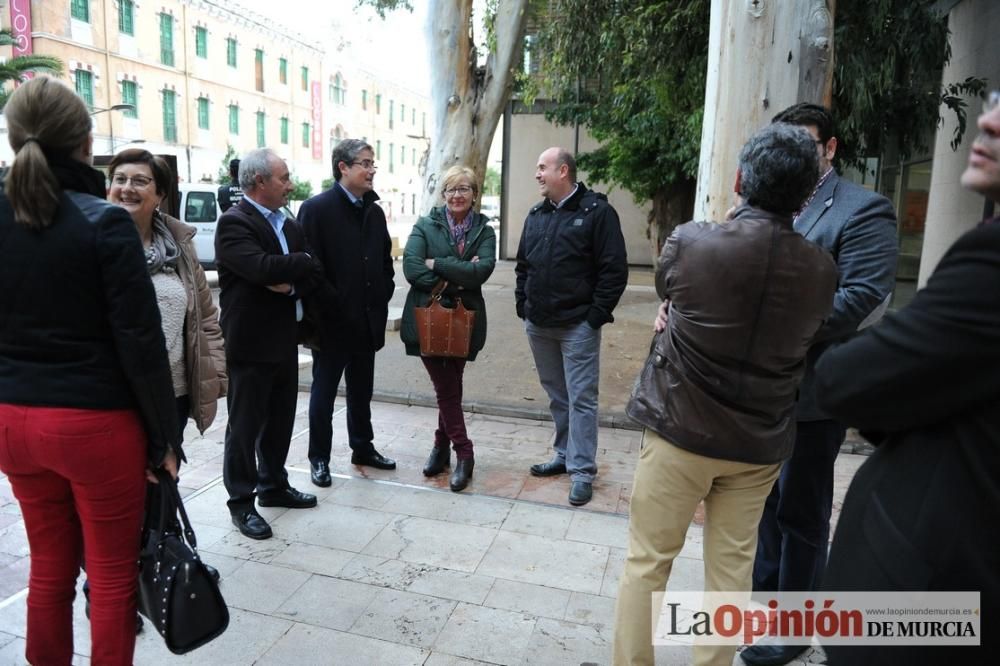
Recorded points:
669,483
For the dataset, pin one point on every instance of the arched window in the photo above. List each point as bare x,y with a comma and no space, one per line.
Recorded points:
338,90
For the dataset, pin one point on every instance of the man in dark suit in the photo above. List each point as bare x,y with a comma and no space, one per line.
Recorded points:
230,195
924,387
858,227
347,230
264,272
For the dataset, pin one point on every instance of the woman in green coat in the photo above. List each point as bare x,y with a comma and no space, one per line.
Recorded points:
453,243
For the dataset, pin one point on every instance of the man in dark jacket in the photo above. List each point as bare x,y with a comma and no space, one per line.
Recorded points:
264,272
858,227
924,387
231,194
717,394
347,230
571,270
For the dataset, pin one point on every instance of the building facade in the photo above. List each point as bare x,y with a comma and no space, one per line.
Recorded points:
205,78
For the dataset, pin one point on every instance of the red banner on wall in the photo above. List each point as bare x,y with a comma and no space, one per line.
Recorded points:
20,26
317,121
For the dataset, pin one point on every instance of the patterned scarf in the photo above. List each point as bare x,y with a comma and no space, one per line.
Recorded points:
459,229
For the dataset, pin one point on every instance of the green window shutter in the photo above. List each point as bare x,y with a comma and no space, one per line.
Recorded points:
167,39
201,42
234,119
364,100
126,17
284,131
305,135
170,116
392,106
83,81
283,71
203,122
305,78
392,157
231,52
378,103
260,130
130,95
378,149
80,10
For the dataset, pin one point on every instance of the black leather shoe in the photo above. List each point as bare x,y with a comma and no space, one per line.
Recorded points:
252,525
551,468
439,461
321,474
373,459
771,655
580,493
463,472
213,572
289,498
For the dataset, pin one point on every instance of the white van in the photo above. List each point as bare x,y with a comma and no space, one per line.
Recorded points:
199,207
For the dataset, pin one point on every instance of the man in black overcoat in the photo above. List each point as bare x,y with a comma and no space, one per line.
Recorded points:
347,230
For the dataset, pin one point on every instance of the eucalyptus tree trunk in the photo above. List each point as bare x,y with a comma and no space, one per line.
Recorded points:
764,55
467,99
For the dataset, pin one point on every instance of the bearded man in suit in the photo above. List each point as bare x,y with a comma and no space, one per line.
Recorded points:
858,227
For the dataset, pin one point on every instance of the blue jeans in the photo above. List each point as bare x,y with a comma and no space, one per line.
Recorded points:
568,359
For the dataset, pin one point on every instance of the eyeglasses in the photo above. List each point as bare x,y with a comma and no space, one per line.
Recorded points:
464,190
138,182
368,165
992,101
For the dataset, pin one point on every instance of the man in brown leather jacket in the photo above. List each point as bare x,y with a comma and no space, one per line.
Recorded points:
742,301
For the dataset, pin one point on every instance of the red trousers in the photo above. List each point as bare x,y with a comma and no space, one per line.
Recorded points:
78,475
446,375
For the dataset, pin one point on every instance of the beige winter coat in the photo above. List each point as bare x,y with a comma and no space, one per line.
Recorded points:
204,354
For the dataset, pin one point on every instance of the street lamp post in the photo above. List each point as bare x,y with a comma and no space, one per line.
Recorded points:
111,124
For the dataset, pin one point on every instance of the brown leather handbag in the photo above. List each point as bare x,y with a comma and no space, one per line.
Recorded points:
444,332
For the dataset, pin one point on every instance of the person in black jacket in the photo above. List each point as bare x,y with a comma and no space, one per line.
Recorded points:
347,230
571,270
264,273
86,397
231,194
924,387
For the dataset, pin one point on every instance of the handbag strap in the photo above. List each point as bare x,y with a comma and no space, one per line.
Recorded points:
438,290
171,505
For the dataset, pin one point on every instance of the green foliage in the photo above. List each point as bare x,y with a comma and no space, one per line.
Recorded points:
15,69
491,184
328,183
223,176
301,190
383,7
888,62
634,75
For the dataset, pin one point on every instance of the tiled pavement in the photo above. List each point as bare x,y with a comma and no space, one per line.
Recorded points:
392,568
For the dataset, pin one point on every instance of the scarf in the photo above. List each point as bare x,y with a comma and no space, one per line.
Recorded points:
459,229
163,251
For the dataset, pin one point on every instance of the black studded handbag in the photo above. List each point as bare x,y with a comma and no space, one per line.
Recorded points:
176,592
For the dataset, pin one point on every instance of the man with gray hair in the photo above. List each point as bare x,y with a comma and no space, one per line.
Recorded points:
741,302
346,228
264,272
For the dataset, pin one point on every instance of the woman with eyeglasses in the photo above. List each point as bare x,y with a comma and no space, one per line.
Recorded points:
85,394
456,245
190,320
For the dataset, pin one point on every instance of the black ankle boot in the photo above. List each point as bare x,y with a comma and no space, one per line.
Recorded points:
439,460
463,472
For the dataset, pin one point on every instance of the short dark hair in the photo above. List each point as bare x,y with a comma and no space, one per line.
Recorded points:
347,151
779,168
804,114
566,157
157,166
234,170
